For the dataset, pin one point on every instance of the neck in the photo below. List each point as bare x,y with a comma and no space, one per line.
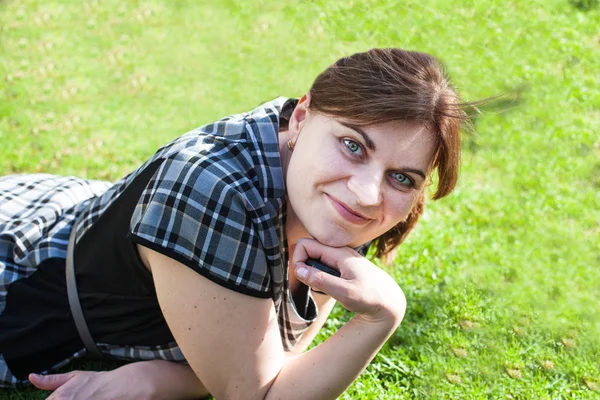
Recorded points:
284,152
294,230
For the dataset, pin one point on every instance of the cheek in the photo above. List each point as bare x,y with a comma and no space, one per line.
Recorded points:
400,206
317,164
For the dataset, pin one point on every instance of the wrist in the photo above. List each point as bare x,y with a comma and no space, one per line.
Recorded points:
387,319
139,376
390,313
167,379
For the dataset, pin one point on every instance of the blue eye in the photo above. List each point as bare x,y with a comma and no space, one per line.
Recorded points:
402,179
354,147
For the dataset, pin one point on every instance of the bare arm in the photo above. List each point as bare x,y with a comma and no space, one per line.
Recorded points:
178,381
233,345
156,379
325,304
326,371
169,380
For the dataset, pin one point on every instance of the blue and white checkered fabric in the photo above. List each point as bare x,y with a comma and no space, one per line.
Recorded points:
216,203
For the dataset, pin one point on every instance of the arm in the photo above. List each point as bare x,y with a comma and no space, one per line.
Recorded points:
232,340
327,370
325,304
155,379
167,379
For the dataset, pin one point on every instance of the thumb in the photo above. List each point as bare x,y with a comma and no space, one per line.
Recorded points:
50,382
316,279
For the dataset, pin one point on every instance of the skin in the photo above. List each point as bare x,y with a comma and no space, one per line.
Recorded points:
344,188
371,171
373,174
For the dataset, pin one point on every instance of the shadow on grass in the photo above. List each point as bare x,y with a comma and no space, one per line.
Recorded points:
585,5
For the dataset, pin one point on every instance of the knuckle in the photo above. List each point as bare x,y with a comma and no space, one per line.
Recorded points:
303,241
318,279
345,294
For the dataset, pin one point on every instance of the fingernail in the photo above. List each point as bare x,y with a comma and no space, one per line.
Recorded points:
302,272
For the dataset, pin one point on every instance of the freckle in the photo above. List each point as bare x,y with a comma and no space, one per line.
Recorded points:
189,329
224,298
195,306
214,298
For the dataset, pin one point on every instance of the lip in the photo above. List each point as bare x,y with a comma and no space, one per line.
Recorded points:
348,213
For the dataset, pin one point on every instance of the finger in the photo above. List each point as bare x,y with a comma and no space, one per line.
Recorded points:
322,281
50,382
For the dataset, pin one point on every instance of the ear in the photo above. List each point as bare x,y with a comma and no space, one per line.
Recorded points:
299,117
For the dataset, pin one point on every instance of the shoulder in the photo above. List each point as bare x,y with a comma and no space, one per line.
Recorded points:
241,151
241,142
263,120
207,202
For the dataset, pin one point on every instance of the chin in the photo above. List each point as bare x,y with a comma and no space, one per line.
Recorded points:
334,239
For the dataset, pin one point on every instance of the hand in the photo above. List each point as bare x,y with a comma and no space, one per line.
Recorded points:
90,385
362,288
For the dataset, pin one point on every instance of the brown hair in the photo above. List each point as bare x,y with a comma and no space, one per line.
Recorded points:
385,85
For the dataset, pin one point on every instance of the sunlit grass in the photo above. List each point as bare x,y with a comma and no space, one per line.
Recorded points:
502,278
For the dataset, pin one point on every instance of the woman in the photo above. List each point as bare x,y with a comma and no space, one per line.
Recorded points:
199,255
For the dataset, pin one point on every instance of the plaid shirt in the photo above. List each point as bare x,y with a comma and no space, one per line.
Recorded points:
216,203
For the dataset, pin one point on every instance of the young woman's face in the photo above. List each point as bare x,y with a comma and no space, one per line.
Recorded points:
348,185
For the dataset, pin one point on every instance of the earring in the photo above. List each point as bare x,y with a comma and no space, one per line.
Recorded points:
291,145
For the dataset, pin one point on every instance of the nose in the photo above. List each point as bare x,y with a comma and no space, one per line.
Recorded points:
367,187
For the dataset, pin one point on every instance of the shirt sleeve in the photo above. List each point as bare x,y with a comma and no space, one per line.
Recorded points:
194,210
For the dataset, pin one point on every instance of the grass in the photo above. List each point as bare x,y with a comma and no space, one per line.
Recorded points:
502,277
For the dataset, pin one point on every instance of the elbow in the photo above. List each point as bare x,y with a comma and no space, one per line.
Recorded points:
270,390
235,391
268,394
241,395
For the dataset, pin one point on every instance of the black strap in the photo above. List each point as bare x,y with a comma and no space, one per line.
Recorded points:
76,311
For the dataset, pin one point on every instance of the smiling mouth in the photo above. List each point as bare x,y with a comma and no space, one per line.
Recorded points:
347,213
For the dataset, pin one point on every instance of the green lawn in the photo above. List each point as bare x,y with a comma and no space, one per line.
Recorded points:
502,278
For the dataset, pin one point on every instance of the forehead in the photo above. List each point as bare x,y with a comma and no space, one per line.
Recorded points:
403,133
407,140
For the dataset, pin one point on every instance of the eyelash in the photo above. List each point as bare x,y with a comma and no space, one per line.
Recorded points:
347,143
410,182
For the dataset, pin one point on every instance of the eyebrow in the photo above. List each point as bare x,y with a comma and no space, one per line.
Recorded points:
366,138
414,171
372,147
